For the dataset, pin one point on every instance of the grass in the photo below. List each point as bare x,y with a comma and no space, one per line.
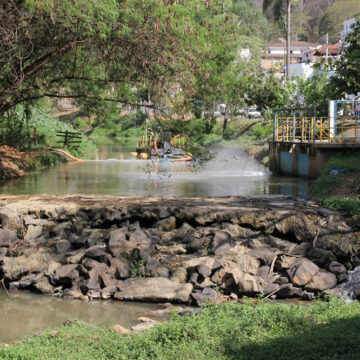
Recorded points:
320,331
340,191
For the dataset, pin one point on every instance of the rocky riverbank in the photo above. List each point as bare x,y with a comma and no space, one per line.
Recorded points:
174,250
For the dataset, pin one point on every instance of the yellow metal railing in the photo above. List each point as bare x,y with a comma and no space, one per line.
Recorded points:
310,129
144,142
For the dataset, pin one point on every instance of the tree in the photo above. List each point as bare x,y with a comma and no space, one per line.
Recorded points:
98,50
347,74
332,20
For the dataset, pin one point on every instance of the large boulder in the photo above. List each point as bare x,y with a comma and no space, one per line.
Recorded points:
167,224
249,285
7,237
10,219
65,275
323,280
155,290
338,270
221,242
248,264
302,272
266,256
30,262
43,286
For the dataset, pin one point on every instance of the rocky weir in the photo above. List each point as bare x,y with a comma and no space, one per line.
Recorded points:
179,250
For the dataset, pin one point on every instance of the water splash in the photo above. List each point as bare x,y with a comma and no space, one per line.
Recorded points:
351,288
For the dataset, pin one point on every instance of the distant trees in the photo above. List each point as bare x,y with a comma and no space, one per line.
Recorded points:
334,17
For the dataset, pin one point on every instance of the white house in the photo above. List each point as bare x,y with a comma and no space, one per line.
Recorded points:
347,28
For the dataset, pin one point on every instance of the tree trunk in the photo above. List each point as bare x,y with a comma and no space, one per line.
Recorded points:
288,5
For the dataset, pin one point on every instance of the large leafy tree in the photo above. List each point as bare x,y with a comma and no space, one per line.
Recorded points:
99,49
347,76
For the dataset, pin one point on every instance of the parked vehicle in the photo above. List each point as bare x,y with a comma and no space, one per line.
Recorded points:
253,113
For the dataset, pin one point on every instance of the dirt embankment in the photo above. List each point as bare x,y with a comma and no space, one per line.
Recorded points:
14,163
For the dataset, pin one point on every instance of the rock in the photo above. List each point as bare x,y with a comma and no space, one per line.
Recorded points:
76,256
289,291
167,224
194,278
263,272
203,270
94,294
33,232
265,255
62,246
95,237
248,284
43,286
176,249
118,243
156,269
119,329
323,280
206,296
30,262
283,245
248,264
10,219
108,292
285,262
75,294
7,237
179,275
221,243
281,280
301,249
319,256
98,253
208,261
302,272
197,244
270,289
64,275
121,268
301,228
154,290
338,270
142,327
54,333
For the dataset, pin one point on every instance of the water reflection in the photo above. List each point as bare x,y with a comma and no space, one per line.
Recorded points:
115,172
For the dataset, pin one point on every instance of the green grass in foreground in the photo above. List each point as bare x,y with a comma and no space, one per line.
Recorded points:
322,330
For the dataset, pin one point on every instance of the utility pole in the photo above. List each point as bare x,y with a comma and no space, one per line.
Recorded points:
327,48
288,6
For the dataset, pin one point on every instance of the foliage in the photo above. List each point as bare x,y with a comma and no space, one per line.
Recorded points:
333,19
321,330
347,205
328,187
137,266
347,77
19,124
101,50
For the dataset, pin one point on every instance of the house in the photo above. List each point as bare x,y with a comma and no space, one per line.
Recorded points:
347,28
275,57
313,56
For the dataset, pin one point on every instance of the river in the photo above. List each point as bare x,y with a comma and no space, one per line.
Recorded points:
114,171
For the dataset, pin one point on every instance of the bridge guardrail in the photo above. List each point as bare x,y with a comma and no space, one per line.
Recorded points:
346,129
